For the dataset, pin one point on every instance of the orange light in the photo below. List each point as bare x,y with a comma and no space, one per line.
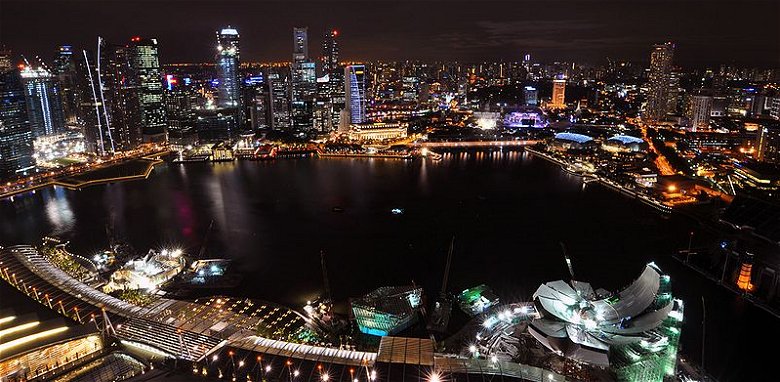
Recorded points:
672,188
743,282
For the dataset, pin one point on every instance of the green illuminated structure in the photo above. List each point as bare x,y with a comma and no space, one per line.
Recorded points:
476,300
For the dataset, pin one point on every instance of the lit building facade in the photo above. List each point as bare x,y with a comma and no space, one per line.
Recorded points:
768,144
304,81
559,93
378,131
44,102
146,78
279,101
531,96
698,112
355,91
658,82
16,138
227,62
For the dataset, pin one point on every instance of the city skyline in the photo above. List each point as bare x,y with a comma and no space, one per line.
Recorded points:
582,31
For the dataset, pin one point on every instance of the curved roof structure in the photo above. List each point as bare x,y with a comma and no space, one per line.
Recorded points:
626,139
583,324
574,137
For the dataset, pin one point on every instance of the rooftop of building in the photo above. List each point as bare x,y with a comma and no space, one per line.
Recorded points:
574,137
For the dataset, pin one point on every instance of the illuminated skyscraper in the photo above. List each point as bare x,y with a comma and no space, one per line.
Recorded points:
559,93
227,61
65,71
331,84
279,89
698,111
145,77
355,90
44,105
531,95
15,134
658,82
304,81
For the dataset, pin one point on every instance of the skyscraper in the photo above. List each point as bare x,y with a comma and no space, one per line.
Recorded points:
332,82
146,78
658,82
304,81
559,93
698,111
355,90
65,71
279,101
228,59
531,95
15,134
44,105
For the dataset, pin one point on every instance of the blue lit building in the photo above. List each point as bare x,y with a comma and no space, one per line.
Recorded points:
355,89
228,55
44,103
387,310
15,134
572,142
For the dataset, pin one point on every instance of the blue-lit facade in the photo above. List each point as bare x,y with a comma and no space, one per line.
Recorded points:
387,310
15,133
355,89
228,59
44,102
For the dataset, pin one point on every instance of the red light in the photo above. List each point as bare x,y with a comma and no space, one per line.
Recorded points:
135,39
335,33
20,66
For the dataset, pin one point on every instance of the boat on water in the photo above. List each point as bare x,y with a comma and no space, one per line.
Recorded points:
397,211
337,209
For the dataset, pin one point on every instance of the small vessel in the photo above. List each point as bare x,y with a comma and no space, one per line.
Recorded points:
397,211
337,209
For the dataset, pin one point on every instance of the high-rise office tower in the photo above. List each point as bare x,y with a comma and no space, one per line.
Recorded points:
559,93
355,90
332,82
304,81
531,96
698,111
279,101
658,82
44,105
256,101
228,59
16,139
65,71
145,76
330,52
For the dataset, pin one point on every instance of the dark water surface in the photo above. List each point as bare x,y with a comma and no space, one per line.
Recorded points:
508,212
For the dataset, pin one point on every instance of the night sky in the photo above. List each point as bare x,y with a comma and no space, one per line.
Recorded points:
706,32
